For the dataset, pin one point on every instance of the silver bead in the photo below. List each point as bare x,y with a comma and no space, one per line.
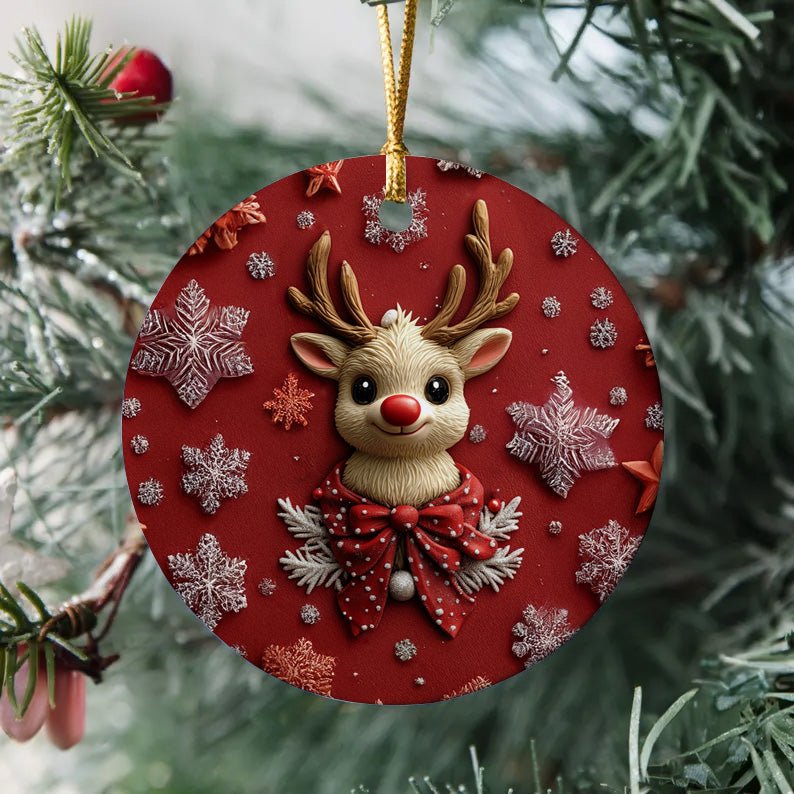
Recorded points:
401,586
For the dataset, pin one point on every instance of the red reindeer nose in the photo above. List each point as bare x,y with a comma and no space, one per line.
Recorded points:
400,410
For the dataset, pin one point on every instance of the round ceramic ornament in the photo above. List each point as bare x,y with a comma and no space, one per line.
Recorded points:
392,466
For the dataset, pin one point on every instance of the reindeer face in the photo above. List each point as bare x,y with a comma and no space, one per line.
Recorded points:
400,384
401,394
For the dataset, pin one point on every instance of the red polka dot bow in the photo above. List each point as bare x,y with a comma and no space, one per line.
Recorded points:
433,542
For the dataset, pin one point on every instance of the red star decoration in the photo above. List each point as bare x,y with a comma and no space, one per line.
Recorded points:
224,231
648,473
324,176
290,404
643,347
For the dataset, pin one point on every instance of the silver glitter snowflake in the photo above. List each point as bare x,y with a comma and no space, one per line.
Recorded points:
564,243
210,581
555,527
603,334
376,233
654,417
267,587
214,473
261,265
601,297
478,434
404,650
130,407
607,552
150,492
563,438
310,614
551,307
618,395
420,681
541,631
451,165
139,444
305,219
194,345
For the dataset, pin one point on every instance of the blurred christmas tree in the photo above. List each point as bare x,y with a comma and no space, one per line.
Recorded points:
678,172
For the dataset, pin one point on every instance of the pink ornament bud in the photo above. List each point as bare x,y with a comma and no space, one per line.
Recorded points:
66,722
22,730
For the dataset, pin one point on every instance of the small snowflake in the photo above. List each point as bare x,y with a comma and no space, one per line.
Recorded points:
618,396
139,444
478,434
305,219
267,587
541,631
601,297
563,438
290,404
555,527
209,580
310,614
551,307
419,681
150,492
564,243
130,407
240,650
261,265
404,650
300,665
603,334
451,165
376,233
214,473
475,685
193,345
607,552
654,417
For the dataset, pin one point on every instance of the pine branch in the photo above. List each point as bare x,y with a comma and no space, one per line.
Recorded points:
62,102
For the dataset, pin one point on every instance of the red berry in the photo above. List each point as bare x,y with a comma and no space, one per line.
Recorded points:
494,505
317,493
145,75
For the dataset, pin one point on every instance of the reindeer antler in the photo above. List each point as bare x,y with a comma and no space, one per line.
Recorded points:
492,276
321,306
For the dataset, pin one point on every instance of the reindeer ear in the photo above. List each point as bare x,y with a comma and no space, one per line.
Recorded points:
322,354
481,350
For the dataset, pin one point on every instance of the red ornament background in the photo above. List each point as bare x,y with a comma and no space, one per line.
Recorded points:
292,463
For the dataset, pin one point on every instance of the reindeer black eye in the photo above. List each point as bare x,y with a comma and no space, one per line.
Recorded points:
437,390
364,390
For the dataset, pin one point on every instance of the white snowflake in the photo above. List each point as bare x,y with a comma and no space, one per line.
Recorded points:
618,395
603,334
310,614
607,552
404,650
561,437
551,307
376,233
541,631
420,681
130,407
150,492
139,444
210,582
654,417
478,434
555,527
451,165
601,298
261,265
564,243
214,473
267,587
305,219
193,346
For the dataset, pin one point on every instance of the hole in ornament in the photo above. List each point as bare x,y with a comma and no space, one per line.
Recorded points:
394,216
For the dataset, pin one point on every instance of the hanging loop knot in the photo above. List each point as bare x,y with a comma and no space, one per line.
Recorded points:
396,92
